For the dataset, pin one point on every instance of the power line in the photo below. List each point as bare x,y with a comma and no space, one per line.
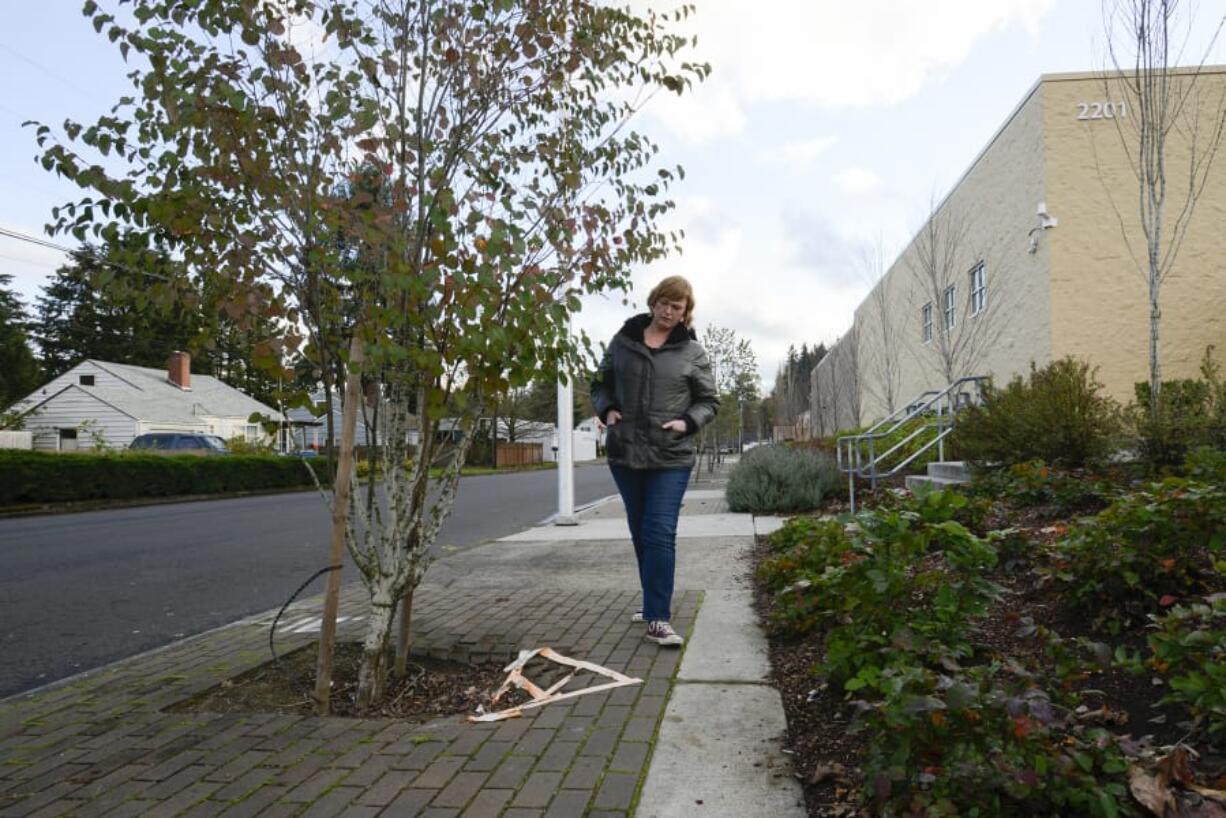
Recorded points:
67,82
13,234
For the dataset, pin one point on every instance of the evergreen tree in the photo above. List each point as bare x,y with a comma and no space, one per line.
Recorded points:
19,370
93,308
96,308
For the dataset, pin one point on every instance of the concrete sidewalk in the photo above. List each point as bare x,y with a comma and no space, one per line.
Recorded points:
700,736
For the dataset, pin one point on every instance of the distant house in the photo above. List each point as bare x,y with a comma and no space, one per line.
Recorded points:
310,424
102,404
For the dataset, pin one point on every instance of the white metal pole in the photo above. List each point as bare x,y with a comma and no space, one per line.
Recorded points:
566,454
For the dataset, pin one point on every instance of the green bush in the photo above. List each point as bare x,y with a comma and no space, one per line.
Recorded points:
42,477
779,479
895,598
1149,549
1191,413
1206,464
1057,415
1189,647
983,740
1034,483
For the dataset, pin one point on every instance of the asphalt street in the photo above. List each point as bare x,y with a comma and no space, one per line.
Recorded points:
85,589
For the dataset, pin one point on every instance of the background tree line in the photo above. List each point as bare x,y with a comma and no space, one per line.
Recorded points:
94,307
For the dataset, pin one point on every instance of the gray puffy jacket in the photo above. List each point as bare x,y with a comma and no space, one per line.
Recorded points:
649,388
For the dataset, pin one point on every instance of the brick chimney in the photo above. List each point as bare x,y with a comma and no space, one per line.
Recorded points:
179,370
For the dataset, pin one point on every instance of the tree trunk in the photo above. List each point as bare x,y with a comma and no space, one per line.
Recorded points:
340,520
1155,362
372,679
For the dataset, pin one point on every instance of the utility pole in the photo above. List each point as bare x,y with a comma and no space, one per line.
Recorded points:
565,448
740,424
566,452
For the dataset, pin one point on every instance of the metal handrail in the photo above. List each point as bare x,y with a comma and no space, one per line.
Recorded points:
854,461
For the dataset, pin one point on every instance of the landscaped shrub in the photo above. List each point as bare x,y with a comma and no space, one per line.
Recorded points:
1149,549
1191,413
896,597
1057,415
41,477
1189,648
983,740
1034,483
1206,464
893,583
770,479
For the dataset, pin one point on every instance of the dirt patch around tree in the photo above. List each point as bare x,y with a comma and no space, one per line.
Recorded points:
432,688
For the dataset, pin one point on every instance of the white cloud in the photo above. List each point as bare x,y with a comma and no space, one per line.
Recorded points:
857,181
709,112
775,280
827,54
797,154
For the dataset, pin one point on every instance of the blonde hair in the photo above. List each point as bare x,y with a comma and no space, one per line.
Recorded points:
674,288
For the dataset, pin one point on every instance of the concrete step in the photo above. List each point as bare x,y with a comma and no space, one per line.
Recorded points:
914,480
950,470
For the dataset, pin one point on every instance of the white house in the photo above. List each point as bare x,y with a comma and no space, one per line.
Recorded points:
97,403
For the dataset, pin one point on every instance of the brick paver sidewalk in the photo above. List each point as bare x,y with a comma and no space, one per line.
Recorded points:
108,744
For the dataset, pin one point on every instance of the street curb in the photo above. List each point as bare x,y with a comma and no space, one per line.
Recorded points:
50,510
580,509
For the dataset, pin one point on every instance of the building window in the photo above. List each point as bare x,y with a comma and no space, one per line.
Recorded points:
950,308
252,432
979,289
85,380
927,321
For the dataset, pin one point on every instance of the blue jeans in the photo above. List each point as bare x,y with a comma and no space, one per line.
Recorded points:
653,501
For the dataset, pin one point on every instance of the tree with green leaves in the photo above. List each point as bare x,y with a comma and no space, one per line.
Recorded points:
19,369
125,304
511,185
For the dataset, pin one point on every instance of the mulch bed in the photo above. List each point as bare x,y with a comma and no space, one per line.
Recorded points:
432,688
820,738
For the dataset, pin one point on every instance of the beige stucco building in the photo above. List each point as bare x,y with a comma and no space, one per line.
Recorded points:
1038,253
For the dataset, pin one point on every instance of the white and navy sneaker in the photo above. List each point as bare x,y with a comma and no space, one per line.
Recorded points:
662,633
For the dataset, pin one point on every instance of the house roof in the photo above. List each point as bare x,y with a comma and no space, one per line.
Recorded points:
150,396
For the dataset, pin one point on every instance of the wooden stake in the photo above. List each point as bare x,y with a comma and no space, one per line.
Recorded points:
340,516
402,637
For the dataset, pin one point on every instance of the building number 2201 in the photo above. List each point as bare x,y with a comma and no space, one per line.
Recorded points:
1101,110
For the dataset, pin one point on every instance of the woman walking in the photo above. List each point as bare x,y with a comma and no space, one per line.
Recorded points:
653,391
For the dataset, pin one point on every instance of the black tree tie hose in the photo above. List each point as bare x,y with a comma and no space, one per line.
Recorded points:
272,632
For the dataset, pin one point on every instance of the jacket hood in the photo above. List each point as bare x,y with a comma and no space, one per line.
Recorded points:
634,328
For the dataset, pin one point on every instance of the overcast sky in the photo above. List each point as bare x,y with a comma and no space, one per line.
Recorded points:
824,125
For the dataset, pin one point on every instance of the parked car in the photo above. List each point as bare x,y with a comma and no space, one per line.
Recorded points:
179,443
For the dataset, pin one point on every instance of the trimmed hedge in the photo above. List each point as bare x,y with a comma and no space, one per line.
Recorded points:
42,477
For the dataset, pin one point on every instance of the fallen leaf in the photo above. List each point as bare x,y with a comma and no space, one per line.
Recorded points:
1150,793
823,771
